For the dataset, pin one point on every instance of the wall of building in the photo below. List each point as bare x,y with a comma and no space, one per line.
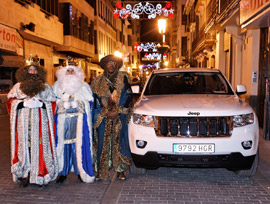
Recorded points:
250,64
220,54
44,52
48,31
82,6
14,14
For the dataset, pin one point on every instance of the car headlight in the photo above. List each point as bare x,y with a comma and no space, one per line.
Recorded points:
242,120
145,120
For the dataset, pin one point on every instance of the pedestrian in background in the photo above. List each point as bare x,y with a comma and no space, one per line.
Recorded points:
112,111
33,154
73,124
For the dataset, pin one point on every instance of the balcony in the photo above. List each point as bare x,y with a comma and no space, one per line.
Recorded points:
203,40
211,10
76,46
227,7
211,14
224,4
48,7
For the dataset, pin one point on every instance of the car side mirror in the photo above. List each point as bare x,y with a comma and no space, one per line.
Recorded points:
135,89
241,89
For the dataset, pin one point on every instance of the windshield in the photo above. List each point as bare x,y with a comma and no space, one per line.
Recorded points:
187,83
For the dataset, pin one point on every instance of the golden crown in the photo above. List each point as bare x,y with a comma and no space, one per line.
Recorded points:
70,62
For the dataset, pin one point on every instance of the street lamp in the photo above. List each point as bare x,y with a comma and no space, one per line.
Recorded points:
163,48
162,28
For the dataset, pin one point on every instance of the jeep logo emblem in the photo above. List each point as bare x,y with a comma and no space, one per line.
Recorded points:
193,113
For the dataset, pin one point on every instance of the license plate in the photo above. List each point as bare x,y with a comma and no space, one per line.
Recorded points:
193,148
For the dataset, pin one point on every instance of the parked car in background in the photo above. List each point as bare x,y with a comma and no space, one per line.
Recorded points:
193,118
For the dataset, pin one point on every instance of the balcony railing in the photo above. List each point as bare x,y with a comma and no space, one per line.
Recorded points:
211,10
46,6
203,39
224,4
226,8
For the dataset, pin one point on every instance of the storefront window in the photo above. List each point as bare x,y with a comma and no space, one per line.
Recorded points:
7,78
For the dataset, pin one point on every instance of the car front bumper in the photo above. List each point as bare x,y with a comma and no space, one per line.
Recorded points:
233,161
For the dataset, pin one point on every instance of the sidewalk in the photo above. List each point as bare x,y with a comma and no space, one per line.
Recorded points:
264,153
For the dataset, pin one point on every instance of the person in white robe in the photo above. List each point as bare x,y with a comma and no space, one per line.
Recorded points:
73,124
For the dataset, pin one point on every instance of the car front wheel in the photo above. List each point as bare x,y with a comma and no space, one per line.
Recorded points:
252,170
135,170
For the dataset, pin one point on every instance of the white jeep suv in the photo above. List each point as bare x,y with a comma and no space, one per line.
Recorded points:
193,118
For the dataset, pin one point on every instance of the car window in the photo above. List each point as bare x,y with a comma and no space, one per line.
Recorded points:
187,83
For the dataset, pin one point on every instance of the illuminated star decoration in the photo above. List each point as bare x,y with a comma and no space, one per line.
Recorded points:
139,9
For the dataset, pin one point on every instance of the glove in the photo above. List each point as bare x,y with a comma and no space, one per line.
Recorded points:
66,105
74,104
32,103
65,97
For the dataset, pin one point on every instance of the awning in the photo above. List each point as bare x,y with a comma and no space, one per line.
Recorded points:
259,21
11,61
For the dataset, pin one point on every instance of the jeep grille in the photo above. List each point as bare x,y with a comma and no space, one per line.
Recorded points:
194,126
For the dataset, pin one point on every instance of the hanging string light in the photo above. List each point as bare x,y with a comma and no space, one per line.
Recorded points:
138,9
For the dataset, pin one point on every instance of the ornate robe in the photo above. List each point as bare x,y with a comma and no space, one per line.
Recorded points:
82,140
111,134
32,138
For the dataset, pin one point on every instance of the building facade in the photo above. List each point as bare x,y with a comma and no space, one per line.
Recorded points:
233,36
38,32
84,30
178,36
53,30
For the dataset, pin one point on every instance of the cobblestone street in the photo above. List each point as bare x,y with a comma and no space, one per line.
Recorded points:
164,185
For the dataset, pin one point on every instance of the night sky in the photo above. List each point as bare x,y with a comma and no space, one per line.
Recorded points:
149,31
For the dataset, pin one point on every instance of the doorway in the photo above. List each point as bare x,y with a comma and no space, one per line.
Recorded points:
264,72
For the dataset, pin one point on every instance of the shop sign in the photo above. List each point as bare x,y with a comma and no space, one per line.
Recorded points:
19,44
10,40
250,8
7,38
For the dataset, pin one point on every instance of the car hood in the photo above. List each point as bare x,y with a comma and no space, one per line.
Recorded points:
191,105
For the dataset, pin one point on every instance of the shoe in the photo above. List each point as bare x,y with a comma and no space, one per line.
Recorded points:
79,177
121,176
97,178
24,182
61,179
41,186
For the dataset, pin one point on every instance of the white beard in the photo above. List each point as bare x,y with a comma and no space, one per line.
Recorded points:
70,84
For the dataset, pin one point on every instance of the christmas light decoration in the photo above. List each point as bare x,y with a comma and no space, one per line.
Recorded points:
146,47
153,56
148,65
139,9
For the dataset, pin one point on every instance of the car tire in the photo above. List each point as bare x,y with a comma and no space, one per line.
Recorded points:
252,170
135,170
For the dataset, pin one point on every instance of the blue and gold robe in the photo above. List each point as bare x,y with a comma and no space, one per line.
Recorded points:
111,143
